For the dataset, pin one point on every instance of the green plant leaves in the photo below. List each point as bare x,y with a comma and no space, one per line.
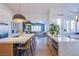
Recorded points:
53,29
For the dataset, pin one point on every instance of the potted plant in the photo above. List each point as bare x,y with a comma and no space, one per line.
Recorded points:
65,30
53,29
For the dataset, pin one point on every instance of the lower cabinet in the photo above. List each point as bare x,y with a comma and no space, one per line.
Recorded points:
53,46
6,49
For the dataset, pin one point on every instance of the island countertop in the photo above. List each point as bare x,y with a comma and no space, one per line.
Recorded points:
67,46
63,38
20,39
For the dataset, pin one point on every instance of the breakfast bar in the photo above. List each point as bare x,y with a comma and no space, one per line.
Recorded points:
7,44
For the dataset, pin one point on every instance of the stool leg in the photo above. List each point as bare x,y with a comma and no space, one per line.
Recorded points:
26,53
33,44
17,52
31,50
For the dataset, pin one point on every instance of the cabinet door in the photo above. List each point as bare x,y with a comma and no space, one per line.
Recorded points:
49,43
6,49
51,47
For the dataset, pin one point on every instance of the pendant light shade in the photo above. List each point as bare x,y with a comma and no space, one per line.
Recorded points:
19,18
28,22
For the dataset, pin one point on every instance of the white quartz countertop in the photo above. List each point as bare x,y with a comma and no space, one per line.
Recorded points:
20,39
67,46
63,38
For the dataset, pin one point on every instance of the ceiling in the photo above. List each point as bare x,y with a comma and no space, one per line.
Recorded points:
40,8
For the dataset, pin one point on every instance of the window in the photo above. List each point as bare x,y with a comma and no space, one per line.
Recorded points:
59,23
77,26
36,28
3,28
67,26
73,29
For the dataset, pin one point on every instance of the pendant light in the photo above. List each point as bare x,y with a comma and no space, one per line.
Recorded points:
18,17
28,22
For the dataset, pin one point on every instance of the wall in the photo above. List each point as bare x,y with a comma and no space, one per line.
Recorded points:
5,17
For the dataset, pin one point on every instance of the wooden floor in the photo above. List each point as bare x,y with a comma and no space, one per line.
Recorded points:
42,47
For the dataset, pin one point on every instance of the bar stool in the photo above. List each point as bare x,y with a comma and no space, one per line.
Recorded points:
24,48
33,43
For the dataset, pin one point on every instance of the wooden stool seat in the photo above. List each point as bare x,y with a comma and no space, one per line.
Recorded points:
23,47
29,46
26,47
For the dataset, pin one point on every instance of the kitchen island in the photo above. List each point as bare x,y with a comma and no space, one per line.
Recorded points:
7,44
63,45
